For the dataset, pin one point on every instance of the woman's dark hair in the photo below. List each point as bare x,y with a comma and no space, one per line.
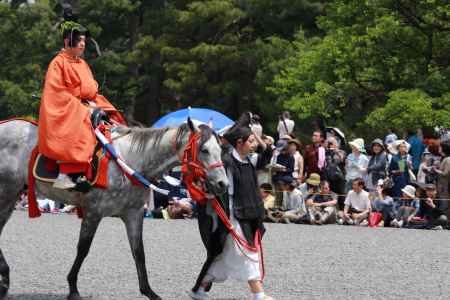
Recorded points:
240,130
267,187
360,182
323,182
446,149
434,149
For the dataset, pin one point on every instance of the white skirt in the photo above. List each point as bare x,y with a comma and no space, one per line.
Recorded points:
234,262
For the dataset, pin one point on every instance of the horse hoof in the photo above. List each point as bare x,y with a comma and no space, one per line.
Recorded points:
74,297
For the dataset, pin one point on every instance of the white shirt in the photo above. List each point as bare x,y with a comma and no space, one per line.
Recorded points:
298,158
359,201
293,201
257,129
282,129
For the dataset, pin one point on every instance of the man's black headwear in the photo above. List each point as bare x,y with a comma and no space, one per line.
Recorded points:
70,28
240,130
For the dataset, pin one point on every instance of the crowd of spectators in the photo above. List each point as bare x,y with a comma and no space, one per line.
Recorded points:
390,182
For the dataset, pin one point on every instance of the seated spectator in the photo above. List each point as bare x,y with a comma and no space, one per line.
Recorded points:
176,209
431,210
357,205
406,208
322,206
384,203
311,186
267,197
23,200
293,208
47,206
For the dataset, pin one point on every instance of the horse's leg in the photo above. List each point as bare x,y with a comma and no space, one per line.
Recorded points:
89,226
4,268
134,220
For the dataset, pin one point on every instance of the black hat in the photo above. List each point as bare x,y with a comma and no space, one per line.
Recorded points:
240,130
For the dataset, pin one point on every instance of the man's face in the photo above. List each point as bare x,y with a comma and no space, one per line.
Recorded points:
356,187
263,193
431,193
248,146
376,149
316,137
325,189
292,148
402,149
79,46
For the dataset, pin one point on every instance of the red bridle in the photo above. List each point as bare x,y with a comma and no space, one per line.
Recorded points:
193,170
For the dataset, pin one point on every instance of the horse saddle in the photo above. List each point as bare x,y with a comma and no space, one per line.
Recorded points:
47,170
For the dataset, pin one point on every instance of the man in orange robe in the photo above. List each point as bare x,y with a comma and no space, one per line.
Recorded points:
69,97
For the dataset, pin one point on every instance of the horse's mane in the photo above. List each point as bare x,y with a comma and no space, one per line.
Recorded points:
141,136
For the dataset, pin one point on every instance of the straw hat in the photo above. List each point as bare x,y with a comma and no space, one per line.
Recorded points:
296,142
410,191
358,144
313,179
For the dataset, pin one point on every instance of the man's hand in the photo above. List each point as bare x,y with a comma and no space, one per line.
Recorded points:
430,202
97,116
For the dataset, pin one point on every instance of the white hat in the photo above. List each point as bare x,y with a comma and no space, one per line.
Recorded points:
410,191
358,144
380,182
393,147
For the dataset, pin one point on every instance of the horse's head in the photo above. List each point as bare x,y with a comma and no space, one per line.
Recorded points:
209,156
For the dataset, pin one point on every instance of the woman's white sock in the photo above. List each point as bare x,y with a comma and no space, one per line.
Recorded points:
258,296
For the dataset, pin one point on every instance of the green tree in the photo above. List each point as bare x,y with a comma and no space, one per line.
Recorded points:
369,49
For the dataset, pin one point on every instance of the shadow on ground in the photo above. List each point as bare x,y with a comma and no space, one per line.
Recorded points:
42,297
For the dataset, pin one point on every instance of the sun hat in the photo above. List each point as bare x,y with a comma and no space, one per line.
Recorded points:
410,191
295,141
358,144
377,142
396,144
313,179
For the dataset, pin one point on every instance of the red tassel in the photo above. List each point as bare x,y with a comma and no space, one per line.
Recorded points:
33,208
80,212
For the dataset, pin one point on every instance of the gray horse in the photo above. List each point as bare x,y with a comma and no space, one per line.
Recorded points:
149,151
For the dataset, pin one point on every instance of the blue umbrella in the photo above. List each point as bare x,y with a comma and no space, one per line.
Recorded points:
204,115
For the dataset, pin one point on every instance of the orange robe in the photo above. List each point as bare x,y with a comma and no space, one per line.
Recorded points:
65,130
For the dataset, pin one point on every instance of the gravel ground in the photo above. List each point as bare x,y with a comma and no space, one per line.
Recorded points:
302,262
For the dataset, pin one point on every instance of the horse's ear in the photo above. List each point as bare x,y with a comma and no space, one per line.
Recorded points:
191,125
